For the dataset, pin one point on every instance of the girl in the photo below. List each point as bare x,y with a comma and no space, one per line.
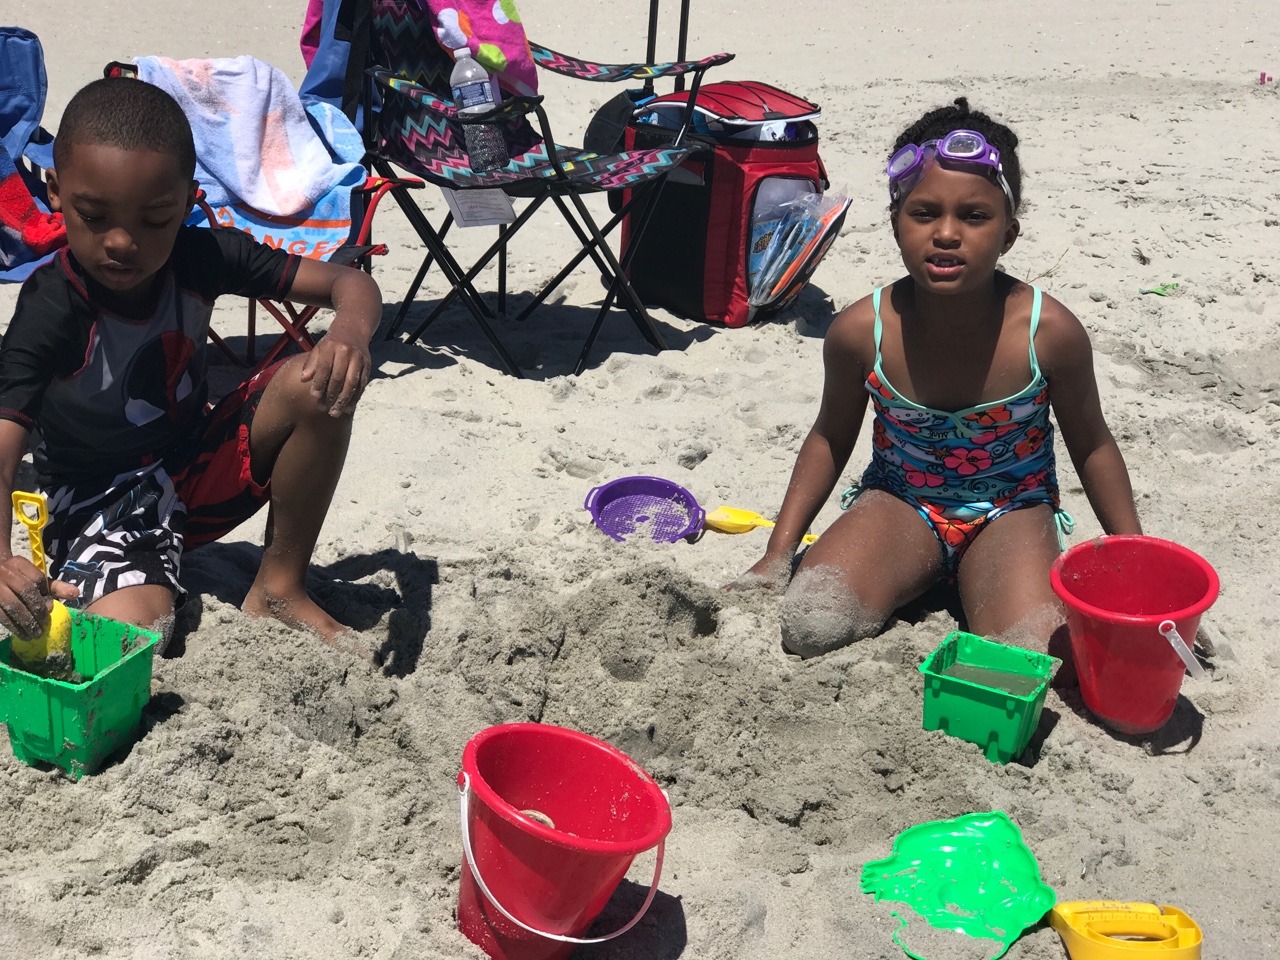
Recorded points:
961,363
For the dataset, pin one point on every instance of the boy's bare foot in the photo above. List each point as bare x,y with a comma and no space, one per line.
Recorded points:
302,613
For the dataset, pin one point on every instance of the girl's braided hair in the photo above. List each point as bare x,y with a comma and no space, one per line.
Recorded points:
957,116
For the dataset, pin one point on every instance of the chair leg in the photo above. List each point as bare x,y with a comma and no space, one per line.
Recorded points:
462,288
582,254
226,350
253,334
595,330
628,296
403,310
646,211
449,266
460,283
496,248
434,242
581,234
294,324
645,202
584,251
502,277
411,294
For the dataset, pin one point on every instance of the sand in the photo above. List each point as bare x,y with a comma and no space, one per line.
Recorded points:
289,801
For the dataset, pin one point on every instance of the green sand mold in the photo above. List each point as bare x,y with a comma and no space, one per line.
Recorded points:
985,692
972,875
78,725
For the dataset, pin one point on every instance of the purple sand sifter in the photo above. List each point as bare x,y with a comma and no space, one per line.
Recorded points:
665,510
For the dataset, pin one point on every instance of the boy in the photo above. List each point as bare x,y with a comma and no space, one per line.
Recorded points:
105,360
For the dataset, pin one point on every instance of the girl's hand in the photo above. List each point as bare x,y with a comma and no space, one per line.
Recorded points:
338,370
770,572
26,596
1067,363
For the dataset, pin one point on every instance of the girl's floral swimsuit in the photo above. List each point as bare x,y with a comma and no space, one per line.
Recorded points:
962,470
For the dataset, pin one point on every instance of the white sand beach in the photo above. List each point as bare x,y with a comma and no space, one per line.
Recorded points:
289,801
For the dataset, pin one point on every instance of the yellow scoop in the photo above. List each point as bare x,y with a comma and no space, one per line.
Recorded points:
50,653
737,520
1103,930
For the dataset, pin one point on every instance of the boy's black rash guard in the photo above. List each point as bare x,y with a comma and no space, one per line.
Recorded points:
106,392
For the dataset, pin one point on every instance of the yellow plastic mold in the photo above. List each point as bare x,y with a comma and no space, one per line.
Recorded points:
1106,930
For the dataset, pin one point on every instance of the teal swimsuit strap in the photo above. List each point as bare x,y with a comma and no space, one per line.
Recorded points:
1031,340
875,302
1036,300
1064,523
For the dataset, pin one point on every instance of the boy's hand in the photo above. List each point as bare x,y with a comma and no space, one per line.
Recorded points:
25,597
338,369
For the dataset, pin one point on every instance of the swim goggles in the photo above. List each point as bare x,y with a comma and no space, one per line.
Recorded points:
958,148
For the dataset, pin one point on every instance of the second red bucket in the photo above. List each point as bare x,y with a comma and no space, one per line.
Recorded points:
1128,599
551,820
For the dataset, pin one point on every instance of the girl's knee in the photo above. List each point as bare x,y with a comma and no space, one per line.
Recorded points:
1032,629
820,614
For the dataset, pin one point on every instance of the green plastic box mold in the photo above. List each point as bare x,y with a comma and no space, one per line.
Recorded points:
985,692
76,726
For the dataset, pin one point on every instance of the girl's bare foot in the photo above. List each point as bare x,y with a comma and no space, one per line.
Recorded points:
302,613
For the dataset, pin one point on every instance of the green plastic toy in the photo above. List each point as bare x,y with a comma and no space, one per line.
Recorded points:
1161,289
985,692
972,875
76,724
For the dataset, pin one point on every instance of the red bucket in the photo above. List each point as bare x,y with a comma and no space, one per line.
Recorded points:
551,820
1121,593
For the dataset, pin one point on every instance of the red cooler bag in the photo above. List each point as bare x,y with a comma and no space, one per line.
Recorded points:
694,255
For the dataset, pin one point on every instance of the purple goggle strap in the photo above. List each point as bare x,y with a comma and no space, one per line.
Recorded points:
903,182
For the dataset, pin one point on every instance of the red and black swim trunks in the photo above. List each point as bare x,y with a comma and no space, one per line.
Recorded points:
134,531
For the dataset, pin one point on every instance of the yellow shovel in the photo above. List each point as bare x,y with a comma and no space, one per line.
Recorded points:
737,520
50,653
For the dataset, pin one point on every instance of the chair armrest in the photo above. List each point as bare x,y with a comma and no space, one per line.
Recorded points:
377,188
510,108
549,59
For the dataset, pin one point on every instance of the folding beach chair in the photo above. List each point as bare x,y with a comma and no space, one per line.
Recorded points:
29,233
413,125
294,317
335,227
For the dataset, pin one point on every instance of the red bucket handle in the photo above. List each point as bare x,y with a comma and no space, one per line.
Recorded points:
464,803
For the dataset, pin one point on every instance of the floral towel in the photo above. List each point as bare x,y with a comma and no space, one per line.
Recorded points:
493,32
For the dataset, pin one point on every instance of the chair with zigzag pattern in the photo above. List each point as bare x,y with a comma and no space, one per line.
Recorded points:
412,124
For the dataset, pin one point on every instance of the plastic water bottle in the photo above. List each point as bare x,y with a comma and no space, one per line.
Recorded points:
474,91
